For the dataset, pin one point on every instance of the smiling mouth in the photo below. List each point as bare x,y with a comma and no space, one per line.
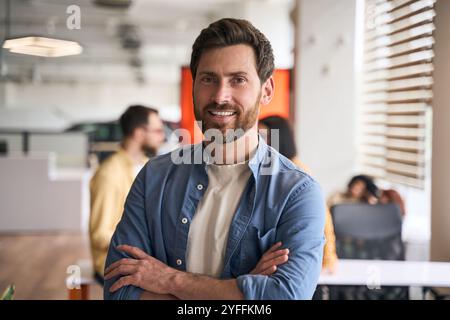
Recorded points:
222,113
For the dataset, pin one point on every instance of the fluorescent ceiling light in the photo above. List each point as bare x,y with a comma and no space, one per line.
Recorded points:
43,47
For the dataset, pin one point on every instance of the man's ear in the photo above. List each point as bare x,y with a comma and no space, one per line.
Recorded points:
267,91
138,134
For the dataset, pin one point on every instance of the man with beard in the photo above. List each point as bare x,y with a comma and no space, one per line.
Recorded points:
196,228
143,134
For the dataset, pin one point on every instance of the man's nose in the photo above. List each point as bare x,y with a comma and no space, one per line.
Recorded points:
222,94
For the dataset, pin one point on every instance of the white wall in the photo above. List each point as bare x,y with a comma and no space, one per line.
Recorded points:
82,101
440,200
32,200
273,19
325,89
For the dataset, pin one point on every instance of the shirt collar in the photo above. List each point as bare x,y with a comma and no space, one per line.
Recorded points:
259,157
255,162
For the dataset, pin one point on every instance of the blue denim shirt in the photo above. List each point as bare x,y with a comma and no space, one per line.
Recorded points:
279,203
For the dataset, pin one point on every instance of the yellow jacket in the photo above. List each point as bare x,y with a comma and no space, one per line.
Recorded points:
109,188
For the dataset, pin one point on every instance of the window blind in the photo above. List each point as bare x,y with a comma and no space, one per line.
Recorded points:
395,89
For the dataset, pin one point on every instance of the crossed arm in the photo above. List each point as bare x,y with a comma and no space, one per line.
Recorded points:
160,281
134,274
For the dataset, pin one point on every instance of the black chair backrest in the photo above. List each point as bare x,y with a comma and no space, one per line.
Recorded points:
367,222
366,231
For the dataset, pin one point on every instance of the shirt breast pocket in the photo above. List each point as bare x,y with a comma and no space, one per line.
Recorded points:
254,244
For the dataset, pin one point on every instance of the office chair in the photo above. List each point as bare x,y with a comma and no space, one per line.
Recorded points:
366,231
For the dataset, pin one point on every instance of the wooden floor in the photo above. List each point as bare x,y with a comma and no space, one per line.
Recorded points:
37,264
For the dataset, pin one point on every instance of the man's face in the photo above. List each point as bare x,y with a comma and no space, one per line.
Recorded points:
154,135
227,89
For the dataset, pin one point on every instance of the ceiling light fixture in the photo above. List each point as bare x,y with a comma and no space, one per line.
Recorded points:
43,47
36,45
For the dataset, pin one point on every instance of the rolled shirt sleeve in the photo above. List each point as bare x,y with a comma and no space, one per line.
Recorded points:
301,230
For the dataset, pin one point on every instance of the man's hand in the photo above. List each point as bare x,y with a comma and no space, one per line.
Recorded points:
144,271
272,258
155,277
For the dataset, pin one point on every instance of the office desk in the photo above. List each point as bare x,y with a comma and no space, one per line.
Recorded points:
389,273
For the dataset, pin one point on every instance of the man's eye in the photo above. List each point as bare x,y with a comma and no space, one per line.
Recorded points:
239,80
207,79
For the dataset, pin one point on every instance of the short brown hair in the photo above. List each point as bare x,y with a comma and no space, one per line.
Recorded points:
134,117
227,32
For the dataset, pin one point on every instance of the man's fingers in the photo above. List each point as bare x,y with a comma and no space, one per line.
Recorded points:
124,269
273,248
255,271
270,259
122,282
269,271
267,267
119,262
274,262
274,254
133,251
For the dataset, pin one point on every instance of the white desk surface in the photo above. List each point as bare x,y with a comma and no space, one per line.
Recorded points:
389,273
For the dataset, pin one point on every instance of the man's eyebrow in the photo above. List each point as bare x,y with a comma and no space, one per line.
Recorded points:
208,73
235,73
238,73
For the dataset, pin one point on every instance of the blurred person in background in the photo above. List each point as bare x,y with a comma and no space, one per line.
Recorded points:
362,189
143,134
392,196
286,146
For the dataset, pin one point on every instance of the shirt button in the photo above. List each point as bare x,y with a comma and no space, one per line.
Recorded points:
179,262
184,220
199,186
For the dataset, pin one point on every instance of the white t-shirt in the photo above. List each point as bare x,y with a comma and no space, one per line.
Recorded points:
208,233
138,168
